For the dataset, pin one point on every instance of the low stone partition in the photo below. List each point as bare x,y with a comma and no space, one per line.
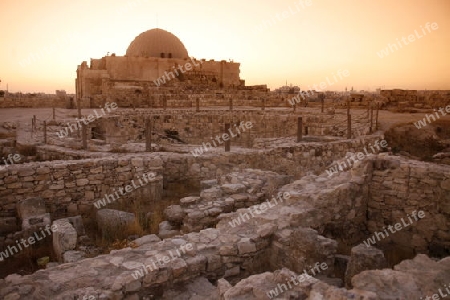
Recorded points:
202,127
399,190
150,268
285,157
294,232
34,102
74,187
233,191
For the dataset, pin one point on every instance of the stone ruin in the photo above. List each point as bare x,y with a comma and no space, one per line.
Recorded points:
266,219
311,244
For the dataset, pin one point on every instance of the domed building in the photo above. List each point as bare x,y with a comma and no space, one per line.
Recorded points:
157,43
156,63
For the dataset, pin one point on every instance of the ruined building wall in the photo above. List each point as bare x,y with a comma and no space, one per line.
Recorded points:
398,187
72,187
35,102
104,73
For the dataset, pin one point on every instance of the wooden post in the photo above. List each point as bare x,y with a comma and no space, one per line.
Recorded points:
45,132
322,100
197,105
299,129
376,116
79,116
231,104
84,136
53,113
227,143
348,105
371,118
349,126
148,135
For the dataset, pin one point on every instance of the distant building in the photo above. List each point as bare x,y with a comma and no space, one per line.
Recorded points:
154,59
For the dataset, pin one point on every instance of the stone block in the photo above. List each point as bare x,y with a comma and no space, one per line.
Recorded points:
230,189
174,213
35,222
246,246
31,207
363,258
64,238
72,256
77,223
111,220
211,194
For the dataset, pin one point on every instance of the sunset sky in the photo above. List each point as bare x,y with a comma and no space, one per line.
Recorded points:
300,42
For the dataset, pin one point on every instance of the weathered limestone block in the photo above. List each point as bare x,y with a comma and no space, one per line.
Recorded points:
246,246
64,238
147,239
29,207
304,247
236,188
363,258
77,223
186,201
110,220
166,230
174,214
211,194
34,222
207,184
72,256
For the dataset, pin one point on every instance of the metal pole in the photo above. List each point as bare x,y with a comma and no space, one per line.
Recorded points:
227,143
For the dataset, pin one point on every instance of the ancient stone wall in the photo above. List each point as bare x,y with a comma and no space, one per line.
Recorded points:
199,127
34,102
398,188
72,187
290,158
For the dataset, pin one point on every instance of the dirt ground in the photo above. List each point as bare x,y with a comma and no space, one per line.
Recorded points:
387,119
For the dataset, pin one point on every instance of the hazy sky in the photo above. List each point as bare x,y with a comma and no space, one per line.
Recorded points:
301,42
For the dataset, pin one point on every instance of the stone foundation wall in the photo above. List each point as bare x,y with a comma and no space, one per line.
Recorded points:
397,188
288,158
35,102
200,127
72,187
